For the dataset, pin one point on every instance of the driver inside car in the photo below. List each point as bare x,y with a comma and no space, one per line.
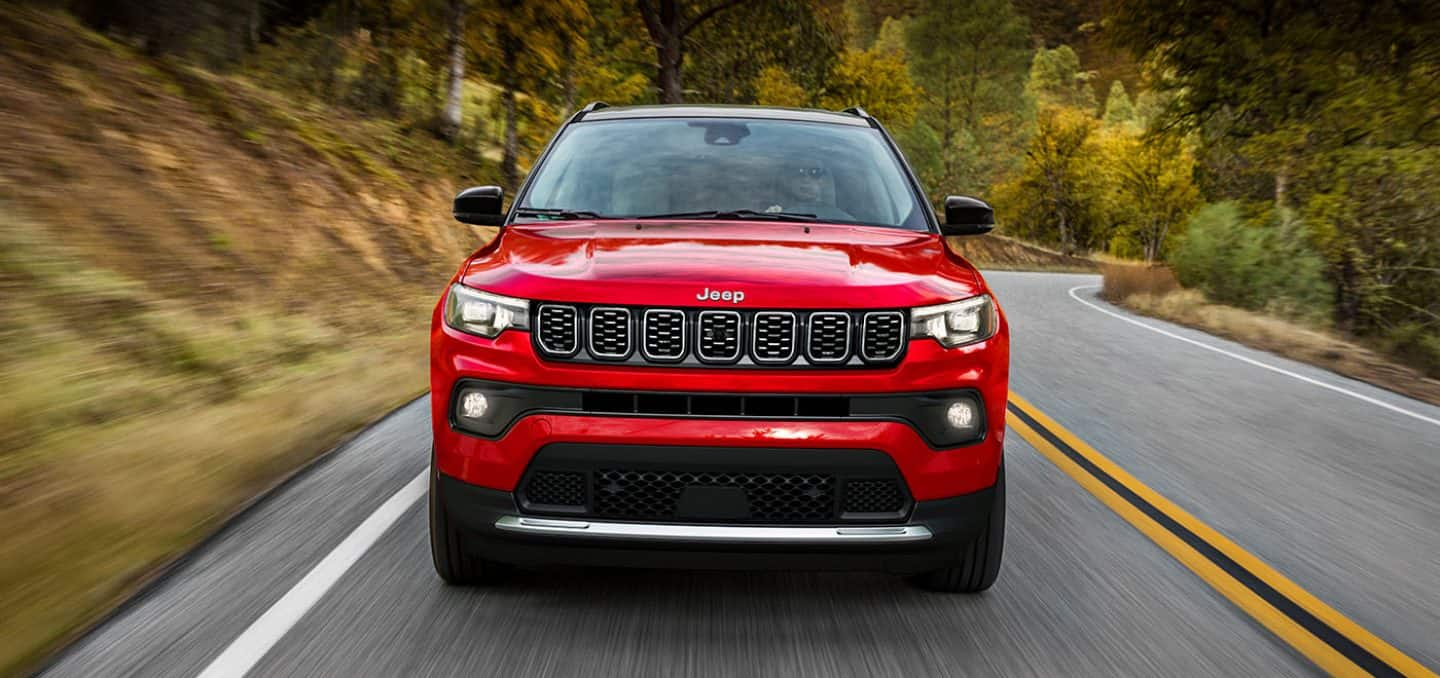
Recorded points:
804,186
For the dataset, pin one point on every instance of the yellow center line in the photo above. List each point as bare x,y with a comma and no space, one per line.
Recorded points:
1302,639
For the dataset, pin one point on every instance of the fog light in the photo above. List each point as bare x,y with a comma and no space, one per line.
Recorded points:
473,405
960,414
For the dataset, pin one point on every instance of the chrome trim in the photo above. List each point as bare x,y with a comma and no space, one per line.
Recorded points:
645,334
713,533
904,337
810,335
755,335
739,337
574,329
590,333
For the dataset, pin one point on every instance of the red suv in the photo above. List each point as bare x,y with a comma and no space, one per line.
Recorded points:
720,337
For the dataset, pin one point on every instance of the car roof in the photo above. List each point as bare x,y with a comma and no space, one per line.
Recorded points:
711,111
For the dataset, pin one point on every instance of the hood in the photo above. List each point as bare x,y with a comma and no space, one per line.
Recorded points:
774,265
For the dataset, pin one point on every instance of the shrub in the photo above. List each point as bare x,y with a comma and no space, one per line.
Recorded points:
1267,265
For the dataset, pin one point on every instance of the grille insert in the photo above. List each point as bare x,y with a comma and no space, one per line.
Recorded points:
663,335
719,336
610,333
773,339
771,497
556,488
558,329
873,496
884,336
828,337
704,404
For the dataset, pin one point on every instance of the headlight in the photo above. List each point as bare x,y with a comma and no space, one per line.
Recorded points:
475,312
957,323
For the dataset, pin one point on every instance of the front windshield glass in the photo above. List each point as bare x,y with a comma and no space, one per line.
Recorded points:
690,166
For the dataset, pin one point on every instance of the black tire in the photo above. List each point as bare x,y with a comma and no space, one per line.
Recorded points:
980,560
454,558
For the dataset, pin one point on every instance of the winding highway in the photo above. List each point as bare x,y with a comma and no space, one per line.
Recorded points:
1178,505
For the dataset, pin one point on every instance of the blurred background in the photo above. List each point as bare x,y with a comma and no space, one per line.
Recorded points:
223,223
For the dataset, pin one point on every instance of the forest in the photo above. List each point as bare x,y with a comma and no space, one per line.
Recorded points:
1278,155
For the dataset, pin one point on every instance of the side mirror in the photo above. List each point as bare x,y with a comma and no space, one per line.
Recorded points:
967,216
480,205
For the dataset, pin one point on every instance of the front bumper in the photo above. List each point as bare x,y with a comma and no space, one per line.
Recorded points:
931,538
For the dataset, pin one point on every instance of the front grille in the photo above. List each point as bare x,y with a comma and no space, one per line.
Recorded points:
715,405
663,336
610,333
774,338
828,340
730,485
770,497
873,496
884,336
714,337
558,330
556,488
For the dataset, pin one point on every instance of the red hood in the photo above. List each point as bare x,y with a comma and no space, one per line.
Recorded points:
776,265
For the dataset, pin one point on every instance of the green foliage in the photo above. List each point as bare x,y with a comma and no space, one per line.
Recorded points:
774,87
876,81
1057,80
728,51
1057,198
1119,112
970,59
1148,190
1262,265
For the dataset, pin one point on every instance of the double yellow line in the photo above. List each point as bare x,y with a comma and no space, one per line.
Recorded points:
1335,643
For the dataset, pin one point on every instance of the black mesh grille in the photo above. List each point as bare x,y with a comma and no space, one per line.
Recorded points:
719,336
558,333
884,336
828,337
774,337
609,332
873,496
556,488
771,497
664,334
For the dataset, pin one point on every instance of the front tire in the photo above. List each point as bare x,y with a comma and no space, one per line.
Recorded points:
450,549
980,560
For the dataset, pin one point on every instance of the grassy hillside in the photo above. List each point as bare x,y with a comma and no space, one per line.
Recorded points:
184,256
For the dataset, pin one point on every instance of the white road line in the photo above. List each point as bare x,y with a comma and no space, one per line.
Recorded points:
248,649
1257,363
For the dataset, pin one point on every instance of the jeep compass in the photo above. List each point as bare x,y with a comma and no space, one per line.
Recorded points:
719,337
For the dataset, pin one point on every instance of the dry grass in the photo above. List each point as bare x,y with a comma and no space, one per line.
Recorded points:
202,285
1001,253
1154,292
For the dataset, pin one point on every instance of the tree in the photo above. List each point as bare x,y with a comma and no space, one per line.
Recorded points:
775,87
455,87
727,54
969,58
1119,112
876,81
1056,79
1148,186
1056,198
669,24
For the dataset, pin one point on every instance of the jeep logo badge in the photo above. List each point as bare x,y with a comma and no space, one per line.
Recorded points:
734,297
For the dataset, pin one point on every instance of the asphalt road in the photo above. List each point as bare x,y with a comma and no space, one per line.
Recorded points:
1339,494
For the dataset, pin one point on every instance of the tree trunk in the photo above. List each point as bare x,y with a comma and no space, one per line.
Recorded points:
667,33
454,101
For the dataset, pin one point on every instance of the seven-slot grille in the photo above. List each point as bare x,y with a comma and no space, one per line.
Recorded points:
718,337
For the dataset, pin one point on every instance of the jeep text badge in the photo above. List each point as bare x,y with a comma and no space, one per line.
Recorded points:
734,297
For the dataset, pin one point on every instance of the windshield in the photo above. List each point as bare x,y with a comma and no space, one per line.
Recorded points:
704,167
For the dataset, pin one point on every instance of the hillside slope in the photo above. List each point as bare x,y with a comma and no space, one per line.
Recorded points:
183,255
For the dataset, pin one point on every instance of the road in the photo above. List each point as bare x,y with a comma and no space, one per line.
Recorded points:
1338,490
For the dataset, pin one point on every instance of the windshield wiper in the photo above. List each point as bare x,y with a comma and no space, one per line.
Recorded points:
732,214
560,214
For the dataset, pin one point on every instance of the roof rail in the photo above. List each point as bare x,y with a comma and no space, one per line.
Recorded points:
592,106
856,111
